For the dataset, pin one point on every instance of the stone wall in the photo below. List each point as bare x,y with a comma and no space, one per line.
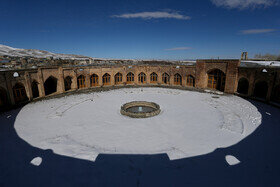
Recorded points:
231,68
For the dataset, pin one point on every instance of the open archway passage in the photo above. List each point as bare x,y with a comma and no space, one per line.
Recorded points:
261,89
94,80
106,79
68,83
243,86
165,78
118,78
81,81
35,90
142,78
50,85
216,80
177,79
3,99
19,93
129,78
154,77
190,80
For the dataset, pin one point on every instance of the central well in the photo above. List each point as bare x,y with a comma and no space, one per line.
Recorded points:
140,109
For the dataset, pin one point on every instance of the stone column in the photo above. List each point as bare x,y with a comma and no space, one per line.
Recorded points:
28,88
251,83
87,80
9,88
40,83
60,85
74,81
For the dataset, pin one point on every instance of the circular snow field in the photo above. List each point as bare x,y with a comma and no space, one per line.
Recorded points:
85,125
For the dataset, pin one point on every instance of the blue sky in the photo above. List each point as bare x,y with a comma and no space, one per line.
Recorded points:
143,29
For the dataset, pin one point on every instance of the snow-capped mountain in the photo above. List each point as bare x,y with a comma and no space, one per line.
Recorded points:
15,52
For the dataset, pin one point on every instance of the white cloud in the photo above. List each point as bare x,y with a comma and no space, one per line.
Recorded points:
257,31
178,49
243,4
154,15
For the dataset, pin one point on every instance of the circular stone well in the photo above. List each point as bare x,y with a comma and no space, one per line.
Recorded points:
140,109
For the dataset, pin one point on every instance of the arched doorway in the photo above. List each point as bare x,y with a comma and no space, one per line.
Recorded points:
19,93
129,78
3,99
94,80
68,83
142,78
118,78
190,80
177,79
106,79
81,81
153,77
216,80
243,86
50,85
165,78
35,90
261,89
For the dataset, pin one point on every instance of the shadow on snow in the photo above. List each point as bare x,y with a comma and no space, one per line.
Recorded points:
259,154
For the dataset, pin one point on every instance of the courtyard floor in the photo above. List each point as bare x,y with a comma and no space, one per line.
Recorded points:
198,139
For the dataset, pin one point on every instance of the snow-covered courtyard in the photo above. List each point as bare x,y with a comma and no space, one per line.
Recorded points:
191,128
190,124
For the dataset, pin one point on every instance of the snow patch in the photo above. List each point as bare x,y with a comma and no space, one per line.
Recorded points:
36,161
232,160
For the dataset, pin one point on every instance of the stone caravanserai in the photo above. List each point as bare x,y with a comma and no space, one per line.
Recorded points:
229,76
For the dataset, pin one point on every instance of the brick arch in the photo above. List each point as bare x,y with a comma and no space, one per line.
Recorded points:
190,80
3,98
81,81
106,79
276,94
243,85
178,79
154,77
130,77
261,88
34,88
216,79
165,78
118,78
68,80
142,78
50,85
94,79
19,93
209,69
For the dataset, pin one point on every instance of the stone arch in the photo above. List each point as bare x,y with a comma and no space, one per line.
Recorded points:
106,79
94,80
129,78
118,78
81,81
153,77
142,78
243,86
190,80
68,83
261,89
165,78
276,94
216,79
3,98
35,89
177,79
50,85
19,93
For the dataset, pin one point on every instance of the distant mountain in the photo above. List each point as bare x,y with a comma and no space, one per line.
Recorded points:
15,52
